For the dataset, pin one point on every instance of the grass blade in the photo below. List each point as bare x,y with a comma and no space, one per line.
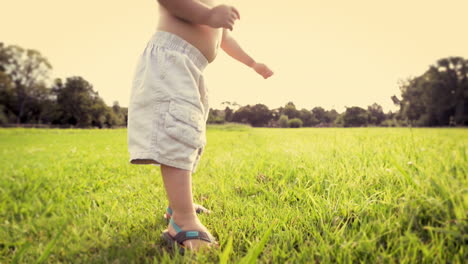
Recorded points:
255,251
51,245
224,257
20,253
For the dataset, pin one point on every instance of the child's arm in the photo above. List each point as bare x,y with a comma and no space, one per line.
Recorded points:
232,48
221,16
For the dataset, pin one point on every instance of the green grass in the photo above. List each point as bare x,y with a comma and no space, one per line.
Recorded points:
372,195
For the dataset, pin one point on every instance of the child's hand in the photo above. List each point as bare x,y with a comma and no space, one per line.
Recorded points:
263,70
223,16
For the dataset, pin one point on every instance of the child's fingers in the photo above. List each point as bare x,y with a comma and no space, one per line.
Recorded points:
234,16
236,12
263,70
268,74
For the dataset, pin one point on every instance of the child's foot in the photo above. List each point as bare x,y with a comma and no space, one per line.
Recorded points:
199,209
189,234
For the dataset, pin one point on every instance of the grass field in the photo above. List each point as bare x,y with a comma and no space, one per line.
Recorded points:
373,195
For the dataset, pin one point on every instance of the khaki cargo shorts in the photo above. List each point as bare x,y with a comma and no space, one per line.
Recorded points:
168,106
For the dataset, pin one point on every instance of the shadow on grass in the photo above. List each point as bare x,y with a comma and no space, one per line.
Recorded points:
139,243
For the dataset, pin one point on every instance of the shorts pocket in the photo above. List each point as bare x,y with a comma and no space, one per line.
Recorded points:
185,124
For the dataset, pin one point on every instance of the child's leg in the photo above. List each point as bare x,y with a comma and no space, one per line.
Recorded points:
178,184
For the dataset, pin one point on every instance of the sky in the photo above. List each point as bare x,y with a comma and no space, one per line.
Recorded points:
329,53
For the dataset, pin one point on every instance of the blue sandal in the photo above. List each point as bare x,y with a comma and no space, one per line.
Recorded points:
182,236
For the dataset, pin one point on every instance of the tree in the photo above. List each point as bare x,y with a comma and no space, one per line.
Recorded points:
111,119
376,114
390,120
320,114
261,115
355,116
283,121
27,71
332,115
276,114
79,104
215,116
6,88
291,111
228,114
6,97
257,115
295,123
339,120
116,107
242,114
116,116
99,112
38,110
396,101
124,111
439,96
308,118
323,116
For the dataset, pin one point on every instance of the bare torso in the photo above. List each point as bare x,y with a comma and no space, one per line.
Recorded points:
204,38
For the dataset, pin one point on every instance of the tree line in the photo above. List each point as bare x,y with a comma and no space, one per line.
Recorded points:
439,97
289,116
25,98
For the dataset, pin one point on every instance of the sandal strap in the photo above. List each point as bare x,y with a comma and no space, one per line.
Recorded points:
169,211
182,236
176,227
188,235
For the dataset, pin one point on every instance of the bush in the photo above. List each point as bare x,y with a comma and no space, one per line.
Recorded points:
6,117
283,121
339,121
3,118
389,123
355,117
295,122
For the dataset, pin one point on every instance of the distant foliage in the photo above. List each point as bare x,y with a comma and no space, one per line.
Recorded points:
308,118
216,116
283,121
26,99
291,111
439,97
257,115
23,93
375,114
355,117
295,123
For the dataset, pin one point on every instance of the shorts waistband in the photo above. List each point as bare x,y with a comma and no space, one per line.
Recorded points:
174,42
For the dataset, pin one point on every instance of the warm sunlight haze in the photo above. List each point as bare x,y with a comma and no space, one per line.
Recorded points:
317,131
324,53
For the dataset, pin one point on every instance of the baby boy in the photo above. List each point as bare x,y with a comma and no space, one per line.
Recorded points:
169,104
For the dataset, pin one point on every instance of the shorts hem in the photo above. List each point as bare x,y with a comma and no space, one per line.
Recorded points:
150,158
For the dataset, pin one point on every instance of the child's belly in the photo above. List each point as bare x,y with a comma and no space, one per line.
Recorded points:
204,38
